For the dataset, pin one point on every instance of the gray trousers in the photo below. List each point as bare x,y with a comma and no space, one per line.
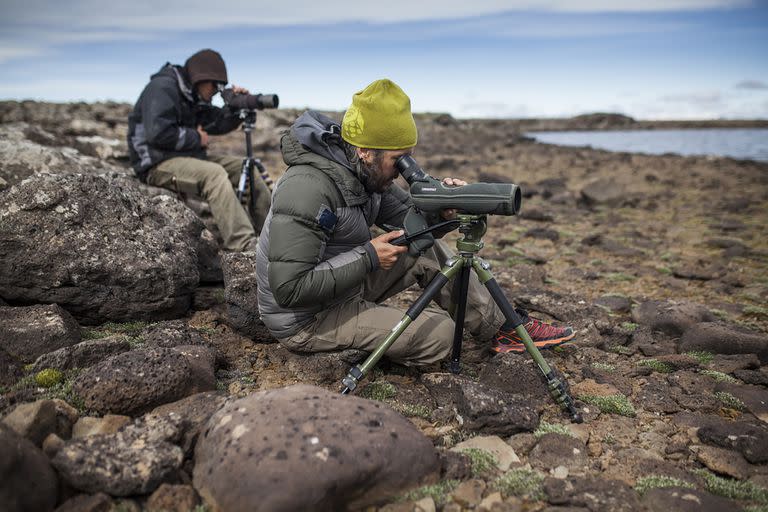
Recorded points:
212,180
363,323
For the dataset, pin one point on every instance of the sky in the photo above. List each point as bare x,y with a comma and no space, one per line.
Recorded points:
649,59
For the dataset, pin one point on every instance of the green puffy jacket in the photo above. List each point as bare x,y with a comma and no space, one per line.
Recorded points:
315,250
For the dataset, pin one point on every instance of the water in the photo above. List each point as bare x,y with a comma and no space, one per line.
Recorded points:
743,143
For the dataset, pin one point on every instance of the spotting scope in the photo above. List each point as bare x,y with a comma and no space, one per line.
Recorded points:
249,101
431,195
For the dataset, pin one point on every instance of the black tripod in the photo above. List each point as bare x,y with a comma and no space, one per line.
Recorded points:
473,227
249,163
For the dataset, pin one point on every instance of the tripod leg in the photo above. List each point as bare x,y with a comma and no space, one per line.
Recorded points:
460,299
356,373
555,386
243,178
263,173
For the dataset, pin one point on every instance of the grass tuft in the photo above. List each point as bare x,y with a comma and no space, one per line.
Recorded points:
730,401
649,482
612,404
411,411
48,377
656,365
439,492
629,326
604,367
552,428
621,349
520,482
483,462
719,376
702,356
380,390
734,489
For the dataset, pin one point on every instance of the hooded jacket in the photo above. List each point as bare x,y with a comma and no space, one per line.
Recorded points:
315,251
164,121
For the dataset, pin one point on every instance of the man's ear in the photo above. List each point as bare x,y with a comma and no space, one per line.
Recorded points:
364,155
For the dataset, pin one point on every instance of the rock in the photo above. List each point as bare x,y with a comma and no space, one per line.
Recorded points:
503,453
686,500
490,502
757,377
454,465
33,421
304,448
83,354
51,445
135,381
554,450
748,439
592,493
100,249
614,303
27,481
201,365
517,375
603,191
672,318
98,502
134,460
170,334
240,292
469,493
722,461
90,426
209,258
699,270
10,369
754,398
28,332
543,234
173,498
482,408
724,339
195,410
100,147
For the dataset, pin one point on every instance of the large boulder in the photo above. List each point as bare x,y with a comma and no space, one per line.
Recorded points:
137,381
669,317
27,481
304,448
84,354
720,338
29,332
97,247
240,290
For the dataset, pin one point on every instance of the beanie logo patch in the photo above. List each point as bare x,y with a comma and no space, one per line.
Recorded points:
354,124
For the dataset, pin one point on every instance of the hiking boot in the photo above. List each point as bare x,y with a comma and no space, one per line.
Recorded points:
543,336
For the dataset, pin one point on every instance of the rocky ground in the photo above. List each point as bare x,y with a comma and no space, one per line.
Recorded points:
134,374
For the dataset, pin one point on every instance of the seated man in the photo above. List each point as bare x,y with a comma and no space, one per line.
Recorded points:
168,137
321,278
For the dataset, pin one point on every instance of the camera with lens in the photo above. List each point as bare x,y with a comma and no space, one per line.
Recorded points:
249,101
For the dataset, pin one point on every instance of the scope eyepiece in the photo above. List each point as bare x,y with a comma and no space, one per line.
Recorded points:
408,168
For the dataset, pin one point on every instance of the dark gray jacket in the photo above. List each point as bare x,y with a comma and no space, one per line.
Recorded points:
315,251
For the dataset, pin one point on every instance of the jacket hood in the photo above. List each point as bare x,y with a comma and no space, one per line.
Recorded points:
315,140
177,73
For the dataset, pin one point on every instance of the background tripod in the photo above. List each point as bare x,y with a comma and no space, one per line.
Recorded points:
473,227
249,163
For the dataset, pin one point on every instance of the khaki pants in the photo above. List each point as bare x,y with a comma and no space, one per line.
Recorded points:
212,180
362,323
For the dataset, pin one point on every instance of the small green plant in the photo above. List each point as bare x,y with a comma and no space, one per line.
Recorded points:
734,489
619,277
629,326
596,263
520,482
412,411
48,378
605,367
64,391
612,404
719,376
719,313
756,311
649,482
483,462
131,329
552,428
379,390
666,256
439,492
621,349
656,365
609,439
201,508
730,401
702,356
664,270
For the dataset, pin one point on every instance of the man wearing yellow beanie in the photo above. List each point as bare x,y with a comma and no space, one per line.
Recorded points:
322,277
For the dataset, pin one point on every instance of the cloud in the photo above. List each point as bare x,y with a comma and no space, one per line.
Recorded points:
8,52
702,99
752,84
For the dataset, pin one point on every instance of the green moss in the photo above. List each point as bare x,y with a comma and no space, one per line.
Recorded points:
719,376
48,377
734,489
596,263
656,365
417,411
64,391
520,482
621,349
756,311
131,329
664,270
629,326
439,492
379,390
604,367
483,462
702,356
756,508
612,404
618,277
719,313
552,428
730,401
667,256
649,482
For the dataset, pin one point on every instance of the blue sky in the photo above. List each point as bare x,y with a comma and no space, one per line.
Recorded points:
486,58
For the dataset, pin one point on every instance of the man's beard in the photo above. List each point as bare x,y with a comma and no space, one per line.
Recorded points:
371,176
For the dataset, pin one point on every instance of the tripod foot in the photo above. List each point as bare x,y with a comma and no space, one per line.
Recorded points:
351,380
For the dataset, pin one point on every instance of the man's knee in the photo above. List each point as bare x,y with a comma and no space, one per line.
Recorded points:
215,178
432,341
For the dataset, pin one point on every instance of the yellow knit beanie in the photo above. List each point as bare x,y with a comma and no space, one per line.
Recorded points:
380,118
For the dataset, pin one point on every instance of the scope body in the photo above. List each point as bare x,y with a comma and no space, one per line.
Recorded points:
249,101
431,195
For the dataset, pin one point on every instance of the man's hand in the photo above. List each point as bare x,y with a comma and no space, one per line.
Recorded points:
450,213
387,252
203,136
239,90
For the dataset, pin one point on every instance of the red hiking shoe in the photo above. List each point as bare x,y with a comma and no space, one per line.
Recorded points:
543,336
